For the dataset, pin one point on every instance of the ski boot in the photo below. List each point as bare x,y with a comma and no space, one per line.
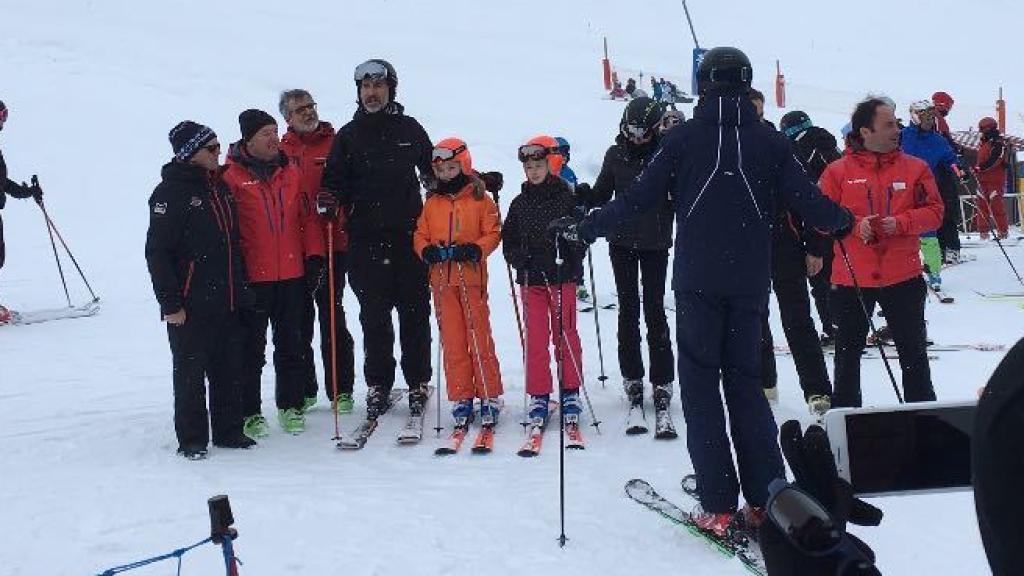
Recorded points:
236,440
307,403
192,452
417,399
5,316
884,334
634,391
663,427
828,340
490,408
292,420
345,404
255,426
819,404
538,414
462,413
571,405
716,524
582,295
934,282
376,401
952,257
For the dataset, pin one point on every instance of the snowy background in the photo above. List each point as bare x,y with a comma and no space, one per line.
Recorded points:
87,444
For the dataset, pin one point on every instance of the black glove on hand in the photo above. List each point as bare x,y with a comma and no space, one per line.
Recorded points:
493,181
429,182
845,230
466,253
432,255
584,195
314,273
326,204
572,229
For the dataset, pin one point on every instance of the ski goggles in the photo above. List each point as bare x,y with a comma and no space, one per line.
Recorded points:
535,152
636,132
371,69
810,528
792,131
441,154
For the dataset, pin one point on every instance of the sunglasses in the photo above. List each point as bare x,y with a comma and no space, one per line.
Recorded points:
304,109
212,148
441,154
534,152
371,69
810,527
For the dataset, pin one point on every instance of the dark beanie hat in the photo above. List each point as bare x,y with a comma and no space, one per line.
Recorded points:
251,120
187,138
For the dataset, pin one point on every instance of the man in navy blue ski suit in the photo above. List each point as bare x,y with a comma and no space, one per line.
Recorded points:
728,172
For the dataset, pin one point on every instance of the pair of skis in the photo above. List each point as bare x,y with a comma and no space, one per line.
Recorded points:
535,433
483,444
46,315
411,433
636,423
738,544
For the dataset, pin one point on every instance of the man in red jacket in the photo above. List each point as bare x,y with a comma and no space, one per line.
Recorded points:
307,143
991,171
280,242
893,198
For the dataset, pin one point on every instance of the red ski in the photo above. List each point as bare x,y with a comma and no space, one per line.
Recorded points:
484,440
458,435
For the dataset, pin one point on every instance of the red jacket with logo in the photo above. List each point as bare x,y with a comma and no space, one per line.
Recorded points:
309,153
278,228
892,184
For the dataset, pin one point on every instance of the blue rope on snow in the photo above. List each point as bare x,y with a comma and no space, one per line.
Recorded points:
175,554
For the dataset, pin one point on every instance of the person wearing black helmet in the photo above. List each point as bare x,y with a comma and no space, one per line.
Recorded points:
639,251
801,254
372,172
12,188
727,172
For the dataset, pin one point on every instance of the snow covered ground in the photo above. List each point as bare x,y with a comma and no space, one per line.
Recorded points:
86,441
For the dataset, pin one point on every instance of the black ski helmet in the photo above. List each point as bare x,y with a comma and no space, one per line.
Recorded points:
794,123
377,68
642,112
724,71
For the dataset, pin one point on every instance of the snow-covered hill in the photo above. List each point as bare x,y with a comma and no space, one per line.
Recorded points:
86,439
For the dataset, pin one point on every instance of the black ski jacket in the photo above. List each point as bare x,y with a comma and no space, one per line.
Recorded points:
528,245
623,162
192,247
815,148
372,171
8,186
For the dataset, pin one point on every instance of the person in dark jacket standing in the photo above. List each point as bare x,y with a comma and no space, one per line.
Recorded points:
307,143
727,172
799,254
282,243
16,190
639,255
195,263
372,172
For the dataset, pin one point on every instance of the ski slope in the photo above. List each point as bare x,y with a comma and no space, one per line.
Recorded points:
87,441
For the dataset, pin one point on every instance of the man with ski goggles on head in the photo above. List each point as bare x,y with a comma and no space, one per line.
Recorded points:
372,173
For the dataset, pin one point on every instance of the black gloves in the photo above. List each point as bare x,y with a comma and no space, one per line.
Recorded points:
314,273
573,229
432,254
466,253
810,459
326,204
844,231
28,191
584,195
493,181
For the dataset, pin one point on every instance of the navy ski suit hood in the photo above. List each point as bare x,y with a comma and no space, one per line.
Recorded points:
728,172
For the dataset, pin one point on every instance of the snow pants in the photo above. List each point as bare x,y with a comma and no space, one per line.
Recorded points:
991,207
789,280
207,348
903,305
280,304
932,255
949,189
343,345
464,319
540,307
652,266
718,341
387,275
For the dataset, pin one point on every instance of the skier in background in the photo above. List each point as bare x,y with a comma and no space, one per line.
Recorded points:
16,190
991,172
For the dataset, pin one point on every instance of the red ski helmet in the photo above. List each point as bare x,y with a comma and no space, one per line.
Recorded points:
987,123
943,101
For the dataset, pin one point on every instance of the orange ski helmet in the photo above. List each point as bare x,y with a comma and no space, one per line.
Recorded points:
453,149
549,150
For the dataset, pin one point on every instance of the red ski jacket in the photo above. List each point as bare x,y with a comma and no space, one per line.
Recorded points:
278,229
309,153
892,184
992,165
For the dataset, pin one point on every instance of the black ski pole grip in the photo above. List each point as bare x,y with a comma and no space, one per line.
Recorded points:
220,518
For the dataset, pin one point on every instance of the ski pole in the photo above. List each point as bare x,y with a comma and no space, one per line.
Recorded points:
437,363
472,331
334,326
526,368
871,322
511,285
56,257
35,182
995,233
561,394
597,321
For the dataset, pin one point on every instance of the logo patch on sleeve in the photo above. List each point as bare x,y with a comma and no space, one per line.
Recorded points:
160,208
899,185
